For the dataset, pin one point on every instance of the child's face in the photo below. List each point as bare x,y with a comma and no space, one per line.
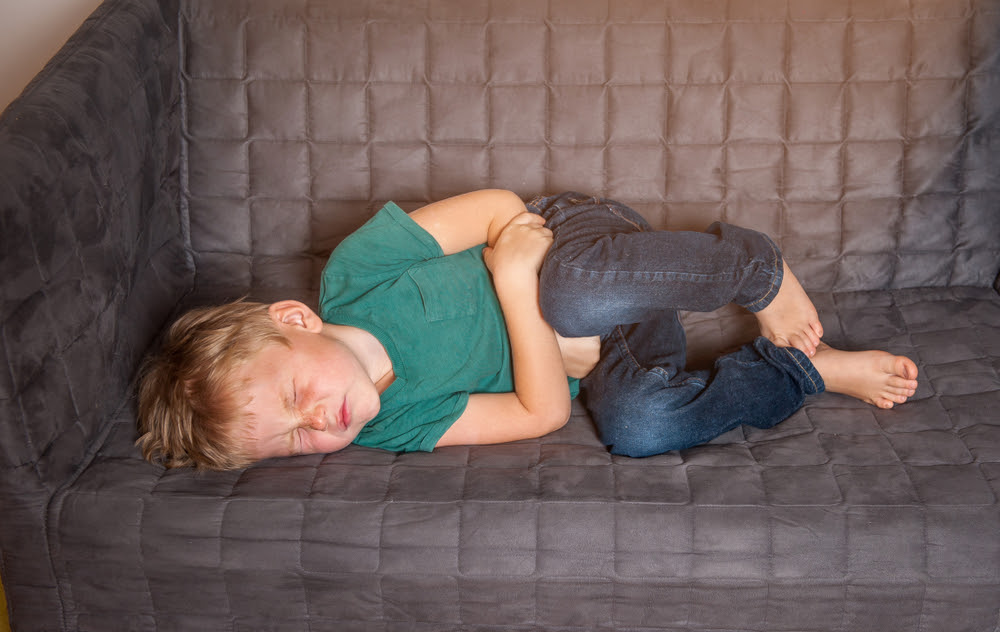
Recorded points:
312,397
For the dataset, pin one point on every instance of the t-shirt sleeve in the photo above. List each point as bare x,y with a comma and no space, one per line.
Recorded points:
383,248
396,431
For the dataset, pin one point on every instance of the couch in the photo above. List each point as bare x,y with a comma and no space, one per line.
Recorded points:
180,152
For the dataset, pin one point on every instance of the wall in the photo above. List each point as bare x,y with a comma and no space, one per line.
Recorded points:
31,31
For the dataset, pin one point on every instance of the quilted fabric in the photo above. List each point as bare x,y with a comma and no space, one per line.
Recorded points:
92,260
249,136
90,161
844,517
857,134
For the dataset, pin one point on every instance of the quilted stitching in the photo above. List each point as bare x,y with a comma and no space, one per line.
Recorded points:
841,507
81,238
862,135
832,153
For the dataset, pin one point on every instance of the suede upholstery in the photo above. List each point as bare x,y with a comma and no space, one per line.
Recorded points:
183,151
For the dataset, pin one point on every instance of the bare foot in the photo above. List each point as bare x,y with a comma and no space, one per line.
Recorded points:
876,377
791,320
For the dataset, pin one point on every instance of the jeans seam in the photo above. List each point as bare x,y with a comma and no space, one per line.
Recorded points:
677,276
619,215
767,294
622,344
802,368
533,204
623,347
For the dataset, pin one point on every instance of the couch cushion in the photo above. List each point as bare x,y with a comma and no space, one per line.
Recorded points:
844,512
860,135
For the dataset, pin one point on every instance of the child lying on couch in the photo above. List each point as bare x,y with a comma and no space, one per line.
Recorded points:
476,319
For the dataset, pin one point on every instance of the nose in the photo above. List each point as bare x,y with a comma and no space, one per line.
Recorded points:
317,420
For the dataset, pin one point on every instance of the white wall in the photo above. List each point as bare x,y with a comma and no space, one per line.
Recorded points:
31,31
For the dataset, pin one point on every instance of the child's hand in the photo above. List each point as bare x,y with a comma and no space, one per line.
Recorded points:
520,247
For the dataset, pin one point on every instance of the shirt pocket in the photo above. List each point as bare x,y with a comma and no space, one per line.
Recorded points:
449,287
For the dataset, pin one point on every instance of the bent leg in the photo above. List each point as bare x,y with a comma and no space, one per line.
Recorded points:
644,403
608,267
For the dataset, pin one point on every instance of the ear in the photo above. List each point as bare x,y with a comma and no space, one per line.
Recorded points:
295,314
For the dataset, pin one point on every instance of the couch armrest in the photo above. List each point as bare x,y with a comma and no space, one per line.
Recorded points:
94,256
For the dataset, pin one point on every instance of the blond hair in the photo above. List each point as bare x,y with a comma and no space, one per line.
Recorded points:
189,393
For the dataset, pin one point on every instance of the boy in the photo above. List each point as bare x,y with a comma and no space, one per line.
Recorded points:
471,320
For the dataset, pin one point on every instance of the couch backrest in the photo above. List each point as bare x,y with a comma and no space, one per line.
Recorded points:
93,251
862,135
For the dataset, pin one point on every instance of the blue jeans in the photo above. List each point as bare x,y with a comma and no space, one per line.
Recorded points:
608,273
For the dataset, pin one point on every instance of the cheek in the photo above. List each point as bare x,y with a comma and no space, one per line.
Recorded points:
366,409
325,443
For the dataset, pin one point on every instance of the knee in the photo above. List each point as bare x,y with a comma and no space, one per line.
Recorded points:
639,445
560,299
643,433
558,317
634,447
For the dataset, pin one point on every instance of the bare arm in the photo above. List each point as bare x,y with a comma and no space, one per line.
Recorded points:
540,402
470,219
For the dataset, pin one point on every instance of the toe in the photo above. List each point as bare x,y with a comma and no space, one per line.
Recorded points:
906,368
900,392
803,344
813,338
896,398
817,328
901,383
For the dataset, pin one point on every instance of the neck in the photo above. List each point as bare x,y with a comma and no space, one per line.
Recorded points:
368,350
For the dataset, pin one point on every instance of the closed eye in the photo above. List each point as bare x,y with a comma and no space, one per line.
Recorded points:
291,407
298,441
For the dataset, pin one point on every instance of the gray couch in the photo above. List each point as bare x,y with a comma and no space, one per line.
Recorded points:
182,152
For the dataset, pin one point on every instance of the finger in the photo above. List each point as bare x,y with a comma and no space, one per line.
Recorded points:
528,219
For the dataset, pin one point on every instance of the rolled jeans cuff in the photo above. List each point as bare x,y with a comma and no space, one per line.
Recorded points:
765,282
796,364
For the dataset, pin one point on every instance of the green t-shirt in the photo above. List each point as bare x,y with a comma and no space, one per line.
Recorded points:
437,316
